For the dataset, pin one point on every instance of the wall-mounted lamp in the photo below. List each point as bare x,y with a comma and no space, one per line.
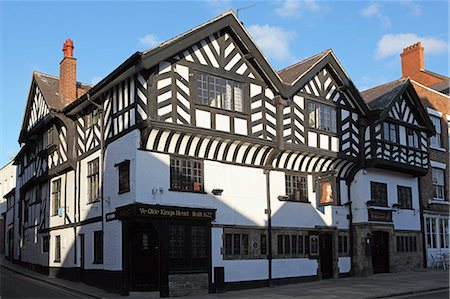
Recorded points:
396,206
217,191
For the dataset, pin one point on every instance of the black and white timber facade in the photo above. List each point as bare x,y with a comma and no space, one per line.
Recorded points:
196,162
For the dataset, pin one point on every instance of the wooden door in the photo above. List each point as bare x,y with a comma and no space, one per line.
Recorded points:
380,252
326,256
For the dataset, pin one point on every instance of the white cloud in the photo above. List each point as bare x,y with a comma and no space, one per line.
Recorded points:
374,11
274,41
149,41
219,6
414,8
393,44
294,8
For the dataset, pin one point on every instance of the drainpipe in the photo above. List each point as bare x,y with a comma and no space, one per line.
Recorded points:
350,226
268,212
102,154
422,226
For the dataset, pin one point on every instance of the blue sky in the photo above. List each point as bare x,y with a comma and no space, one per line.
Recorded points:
366,36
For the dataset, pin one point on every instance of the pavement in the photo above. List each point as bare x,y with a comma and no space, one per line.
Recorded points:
376,286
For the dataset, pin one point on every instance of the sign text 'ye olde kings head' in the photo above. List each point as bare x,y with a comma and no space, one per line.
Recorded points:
179,213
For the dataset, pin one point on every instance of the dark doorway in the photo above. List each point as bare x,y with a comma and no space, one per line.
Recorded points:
326,256
10,244
380,252
144,264
82,258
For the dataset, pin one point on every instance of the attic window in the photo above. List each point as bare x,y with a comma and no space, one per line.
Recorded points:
220,93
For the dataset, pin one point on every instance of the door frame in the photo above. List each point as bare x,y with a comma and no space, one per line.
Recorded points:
331,252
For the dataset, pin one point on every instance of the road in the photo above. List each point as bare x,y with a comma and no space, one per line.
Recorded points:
13,285
441,294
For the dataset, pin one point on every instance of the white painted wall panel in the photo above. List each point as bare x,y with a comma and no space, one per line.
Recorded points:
294,267
344,264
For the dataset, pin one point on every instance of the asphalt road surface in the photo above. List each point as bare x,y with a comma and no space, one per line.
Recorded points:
13,285
442,294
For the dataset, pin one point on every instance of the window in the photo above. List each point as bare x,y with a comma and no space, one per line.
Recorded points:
291,245
404,197
38,193
50,136
297,188
98,247
431,232
93,181
322,117
263,240
220,93
406,243
45,243
188,246
413,138
26,211
378,193
186,175
57,249
56,196
438,183
236,245
124,176
92,118
390,132
343,246
435,141
443,233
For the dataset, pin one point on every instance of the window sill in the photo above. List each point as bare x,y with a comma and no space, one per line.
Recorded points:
441,149
92,202
57,261
438,201
384,208
188,191
123,191
97,263
293,200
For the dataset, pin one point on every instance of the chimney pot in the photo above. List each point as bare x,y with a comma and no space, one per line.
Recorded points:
68,48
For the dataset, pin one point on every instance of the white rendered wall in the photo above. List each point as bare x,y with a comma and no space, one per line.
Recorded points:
360,194
7,183
88,210
112,245
118,151
294,267
67,199
236,270
67,248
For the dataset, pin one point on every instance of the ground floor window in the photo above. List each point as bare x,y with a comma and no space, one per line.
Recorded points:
188,246
437,232
98,247
343,245
57,249
406,243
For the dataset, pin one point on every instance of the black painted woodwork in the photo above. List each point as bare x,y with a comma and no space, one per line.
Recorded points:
380,252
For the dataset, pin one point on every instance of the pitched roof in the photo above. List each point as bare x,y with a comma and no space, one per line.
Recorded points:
432,98
435,74
443,87
381,96
49,86
291,73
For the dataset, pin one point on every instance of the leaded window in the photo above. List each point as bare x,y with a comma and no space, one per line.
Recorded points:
57,249
413,138
343,245
378,193
236,245
124,176
390,132
297,187
322,117
56,196
220,93
404,195
186,174
93,180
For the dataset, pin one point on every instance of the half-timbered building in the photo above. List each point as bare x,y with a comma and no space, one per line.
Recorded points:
195,166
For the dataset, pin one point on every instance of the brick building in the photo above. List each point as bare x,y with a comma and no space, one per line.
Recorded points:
433,90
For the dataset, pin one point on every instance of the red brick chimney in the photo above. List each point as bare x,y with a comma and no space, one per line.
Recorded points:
68,73
413,60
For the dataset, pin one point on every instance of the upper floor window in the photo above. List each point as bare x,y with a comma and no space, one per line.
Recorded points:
124,176
404,195
438,183
378,193
92,118
436,140
322,117
56,196
93,180
220,93
50,136
390,132
297,187
186,174
413,138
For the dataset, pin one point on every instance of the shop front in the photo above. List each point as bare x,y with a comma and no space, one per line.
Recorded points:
166,249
